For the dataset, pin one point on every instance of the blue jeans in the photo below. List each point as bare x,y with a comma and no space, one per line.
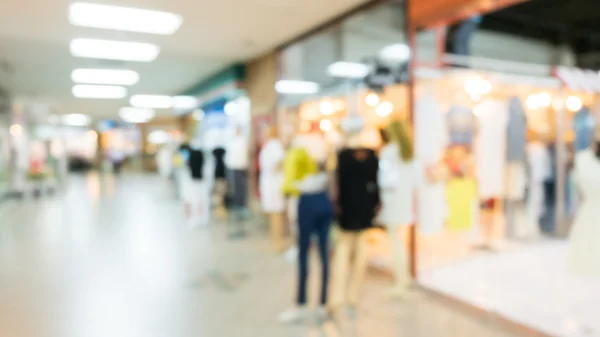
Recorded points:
315,214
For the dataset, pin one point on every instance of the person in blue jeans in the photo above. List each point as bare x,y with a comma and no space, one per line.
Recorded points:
315,215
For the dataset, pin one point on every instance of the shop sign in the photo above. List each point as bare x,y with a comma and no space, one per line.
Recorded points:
432,13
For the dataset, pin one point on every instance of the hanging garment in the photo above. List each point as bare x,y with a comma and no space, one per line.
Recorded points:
584,126
219,160
515,181
584,241
358,192
271,176
516,139
398,181
461,125
461,194
490,148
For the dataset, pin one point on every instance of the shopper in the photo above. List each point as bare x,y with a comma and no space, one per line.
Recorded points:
271,158
399,176
315,214
198,191
236,159
357,204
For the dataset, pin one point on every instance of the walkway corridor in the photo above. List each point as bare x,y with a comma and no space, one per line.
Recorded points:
112,258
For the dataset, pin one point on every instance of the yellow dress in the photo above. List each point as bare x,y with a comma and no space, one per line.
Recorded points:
460,193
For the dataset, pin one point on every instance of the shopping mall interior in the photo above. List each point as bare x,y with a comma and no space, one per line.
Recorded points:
162,165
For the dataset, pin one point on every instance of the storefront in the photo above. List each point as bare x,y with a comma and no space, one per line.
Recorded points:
501,122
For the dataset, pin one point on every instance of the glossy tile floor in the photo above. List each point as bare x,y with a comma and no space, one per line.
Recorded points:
112,258
530,285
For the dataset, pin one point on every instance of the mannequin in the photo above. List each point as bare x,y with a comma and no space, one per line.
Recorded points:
490,156
584,247
307,179
315,145
199,195
271,186
357,204
515,175
398,179
237,161
220,172
539,171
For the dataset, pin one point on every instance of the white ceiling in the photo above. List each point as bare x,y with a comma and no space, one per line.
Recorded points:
34,40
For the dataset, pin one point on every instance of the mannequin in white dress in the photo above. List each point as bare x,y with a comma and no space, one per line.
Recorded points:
398,178
584,241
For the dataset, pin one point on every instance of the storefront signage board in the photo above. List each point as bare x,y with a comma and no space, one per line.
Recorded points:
433,13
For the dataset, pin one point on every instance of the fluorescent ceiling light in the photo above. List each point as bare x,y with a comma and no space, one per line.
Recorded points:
151,101
136,115
105,76
76,120
348,70
184,102
296,87
99,91
123,18
395,52
114,50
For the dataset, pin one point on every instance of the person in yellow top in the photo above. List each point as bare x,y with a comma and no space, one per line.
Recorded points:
297,164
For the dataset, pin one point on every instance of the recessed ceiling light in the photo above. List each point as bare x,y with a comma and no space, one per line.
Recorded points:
105,76
348,70
296,87
151,101
124,18
99,91
136,115
76,120
114,50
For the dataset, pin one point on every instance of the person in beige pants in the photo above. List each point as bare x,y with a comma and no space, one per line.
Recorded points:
357,204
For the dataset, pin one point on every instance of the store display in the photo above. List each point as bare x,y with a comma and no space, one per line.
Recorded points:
461,125
516,131
461,194
584,126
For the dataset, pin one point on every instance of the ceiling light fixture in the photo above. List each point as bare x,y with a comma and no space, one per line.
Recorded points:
184,102
114,50
396,52
348,70
99,91
151,101
76,120
124,18
136,115
105,76
294,87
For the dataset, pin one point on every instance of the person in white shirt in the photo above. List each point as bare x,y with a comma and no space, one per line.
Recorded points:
237,162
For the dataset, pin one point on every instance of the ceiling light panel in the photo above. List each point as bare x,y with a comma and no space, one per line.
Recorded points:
296,87
124,18
151,101
114,50
348,70
99,91
136,115
105,76
185,102
76,120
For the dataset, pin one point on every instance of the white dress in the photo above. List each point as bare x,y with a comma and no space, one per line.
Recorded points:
398,180
490,151
584,241
271,177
